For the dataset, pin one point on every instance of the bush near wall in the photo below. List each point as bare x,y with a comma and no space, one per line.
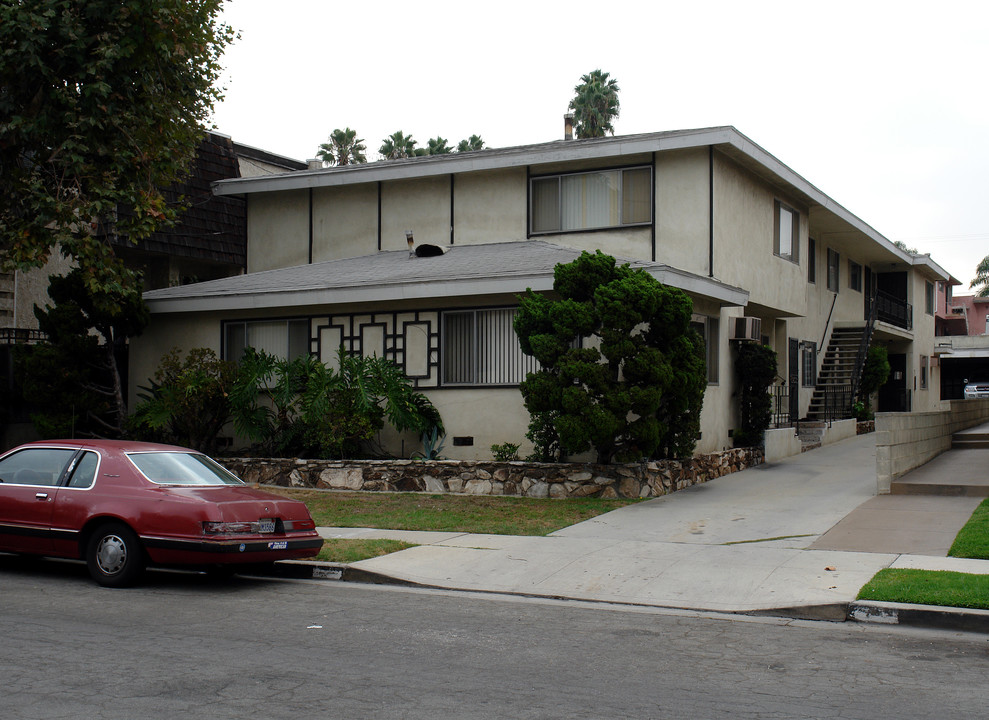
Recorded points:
539,480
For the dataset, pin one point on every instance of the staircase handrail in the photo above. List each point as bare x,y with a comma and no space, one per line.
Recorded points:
864,343
830,312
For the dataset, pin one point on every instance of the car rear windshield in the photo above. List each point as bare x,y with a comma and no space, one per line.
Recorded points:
174,468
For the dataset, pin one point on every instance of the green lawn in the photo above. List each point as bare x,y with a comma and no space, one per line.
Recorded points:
972,540
344,550
446,513
449,513
940,587
928,587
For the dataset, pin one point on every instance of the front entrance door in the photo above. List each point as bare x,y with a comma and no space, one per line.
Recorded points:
894,396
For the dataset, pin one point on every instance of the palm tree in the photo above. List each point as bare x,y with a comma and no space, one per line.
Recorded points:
474,142
398,145
437,146
981,278
595,105
344,148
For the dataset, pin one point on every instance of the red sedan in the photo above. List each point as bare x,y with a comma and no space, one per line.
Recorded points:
122,505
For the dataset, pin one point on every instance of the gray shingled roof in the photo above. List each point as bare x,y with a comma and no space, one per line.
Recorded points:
462,270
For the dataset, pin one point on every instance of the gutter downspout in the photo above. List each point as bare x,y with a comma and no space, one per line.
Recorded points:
310,226
379,216
710,211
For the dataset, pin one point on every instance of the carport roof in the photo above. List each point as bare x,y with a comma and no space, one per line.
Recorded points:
462,271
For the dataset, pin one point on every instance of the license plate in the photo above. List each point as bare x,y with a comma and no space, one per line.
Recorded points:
266,525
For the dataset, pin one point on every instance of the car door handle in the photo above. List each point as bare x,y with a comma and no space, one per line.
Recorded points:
41,496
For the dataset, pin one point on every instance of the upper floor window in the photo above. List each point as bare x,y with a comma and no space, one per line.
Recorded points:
786,232
929,298
285,339
833,274
709,329
480,347
924,371
854,276
811,260
591,200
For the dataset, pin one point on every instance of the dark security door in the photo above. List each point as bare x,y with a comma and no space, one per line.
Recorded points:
793,377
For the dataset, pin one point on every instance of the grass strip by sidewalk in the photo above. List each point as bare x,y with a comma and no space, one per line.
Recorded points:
495,515
972,541
941,587
928,587
346,550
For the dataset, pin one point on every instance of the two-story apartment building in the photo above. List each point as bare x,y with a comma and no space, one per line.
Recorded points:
420,261
962,344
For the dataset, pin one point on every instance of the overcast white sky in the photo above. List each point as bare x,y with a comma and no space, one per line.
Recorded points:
882,105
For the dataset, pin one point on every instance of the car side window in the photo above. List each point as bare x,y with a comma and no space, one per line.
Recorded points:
35,466
85,471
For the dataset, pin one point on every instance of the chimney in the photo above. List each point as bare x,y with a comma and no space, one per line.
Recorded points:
315,163
568,126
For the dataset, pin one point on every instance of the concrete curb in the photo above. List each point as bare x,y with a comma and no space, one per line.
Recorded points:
931,616
874,612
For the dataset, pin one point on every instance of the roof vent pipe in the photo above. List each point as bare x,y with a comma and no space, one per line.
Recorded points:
315,163
568,126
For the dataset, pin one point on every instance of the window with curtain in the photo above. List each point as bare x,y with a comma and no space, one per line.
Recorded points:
285,339
786,232
479,347
709,329
854,276
833,259
591,200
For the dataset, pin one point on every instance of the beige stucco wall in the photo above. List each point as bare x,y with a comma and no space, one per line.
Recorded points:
489,415
924,399
345,222
422,206
31,288
487,207
277,230
744,237
682,210
164,333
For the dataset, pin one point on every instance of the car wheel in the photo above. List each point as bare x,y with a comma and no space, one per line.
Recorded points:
115,556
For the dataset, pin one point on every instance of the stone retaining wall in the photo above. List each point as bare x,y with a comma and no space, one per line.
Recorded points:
538,480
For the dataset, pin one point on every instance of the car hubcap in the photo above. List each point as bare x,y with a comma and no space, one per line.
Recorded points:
111,554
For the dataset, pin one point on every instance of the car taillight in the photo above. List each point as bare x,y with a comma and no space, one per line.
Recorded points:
229,528
299,525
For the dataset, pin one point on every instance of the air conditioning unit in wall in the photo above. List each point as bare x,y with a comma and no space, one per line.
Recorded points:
746,328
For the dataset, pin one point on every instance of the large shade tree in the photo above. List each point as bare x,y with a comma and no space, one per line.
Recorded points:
595,105
102,106
343,148
73,378
622,371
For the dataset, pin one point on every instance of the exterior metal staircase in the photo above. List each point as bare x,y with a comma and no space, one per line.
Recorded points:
839,375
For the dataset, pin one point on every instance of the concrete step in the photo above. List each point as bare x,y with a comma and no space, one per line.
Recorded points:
947,488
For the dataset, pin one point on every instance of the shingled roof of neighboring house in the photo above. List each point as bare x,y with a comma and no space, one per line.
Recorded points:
463,270
213,228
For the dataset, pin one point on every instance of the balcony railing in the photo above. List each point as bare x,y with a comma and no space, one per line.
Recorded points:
893,310
21,336
781,406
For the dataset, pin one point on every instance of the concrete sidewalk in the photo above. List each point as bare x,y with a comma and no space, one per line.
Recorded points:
798,537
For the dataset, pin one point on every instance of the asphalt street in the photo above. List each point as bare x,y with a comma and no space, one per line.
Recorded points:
183,645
